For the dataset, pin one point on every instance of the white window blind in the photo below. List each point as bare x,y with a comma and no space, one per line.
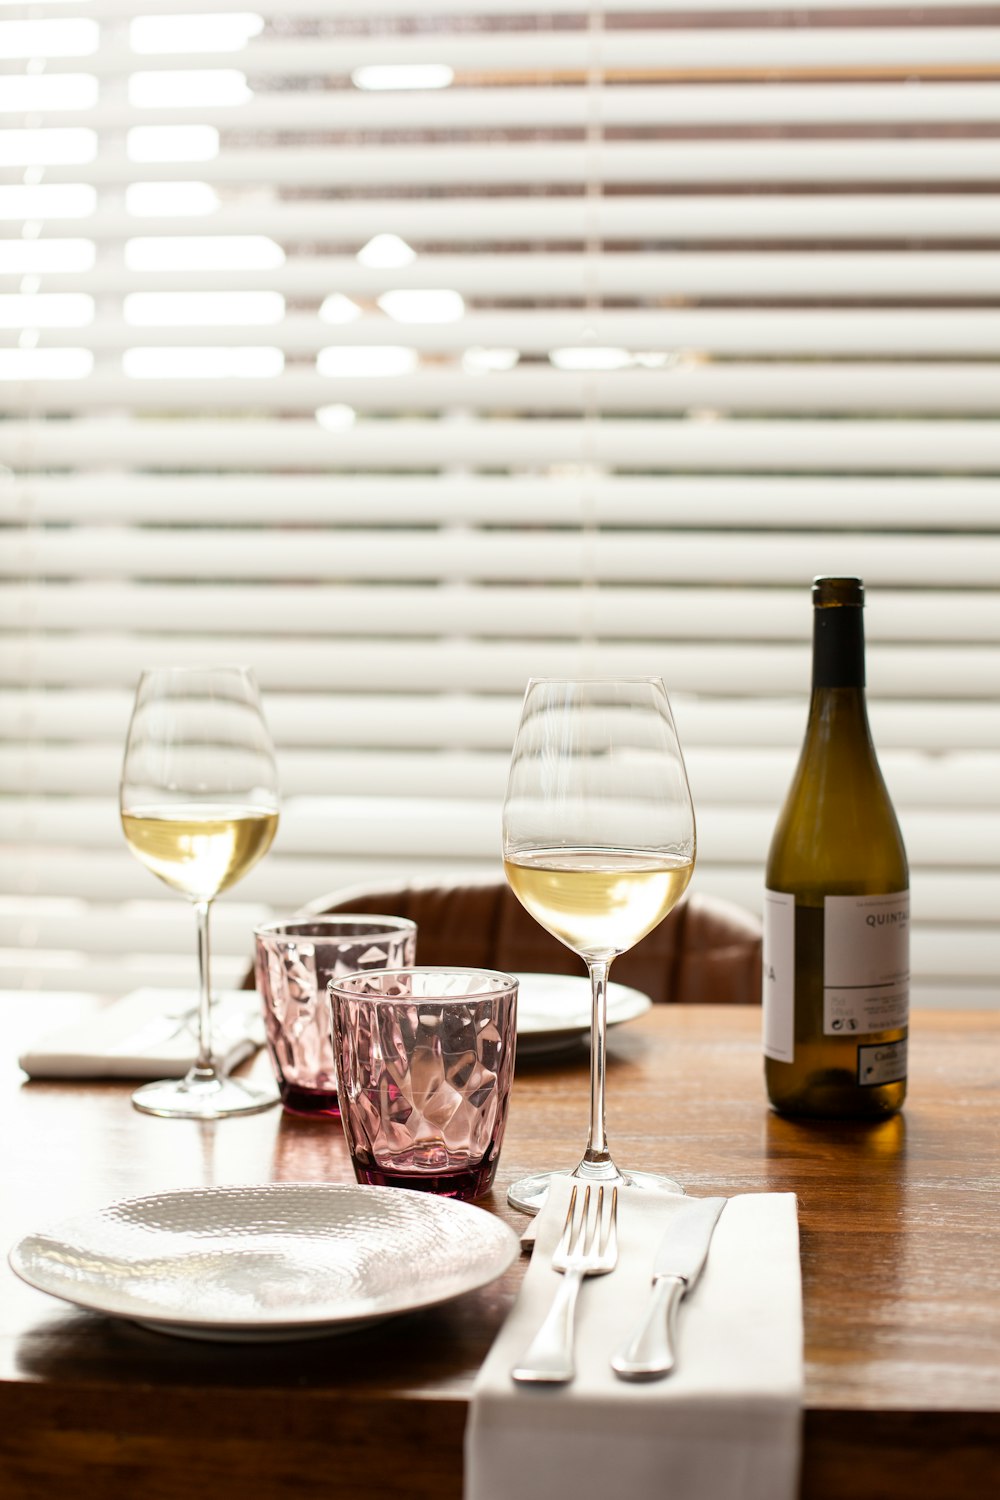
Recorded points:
404,350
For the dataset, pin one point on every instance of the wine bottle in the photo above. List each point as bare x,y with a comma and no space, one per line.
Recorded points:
836,904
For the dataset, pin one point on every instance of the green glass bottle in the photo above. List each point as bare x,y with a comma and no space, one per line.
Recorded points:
836,904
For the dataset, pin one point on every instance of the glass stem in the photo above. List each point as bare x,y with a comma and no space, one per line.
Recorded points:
597,1153
204,1064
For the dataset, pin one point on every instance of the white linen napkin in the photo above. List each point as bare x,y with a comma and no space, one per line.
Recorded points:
148,1033
724,1425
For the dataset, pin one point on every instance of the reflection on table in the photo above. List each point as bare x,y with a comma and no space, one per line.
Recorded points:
900,1275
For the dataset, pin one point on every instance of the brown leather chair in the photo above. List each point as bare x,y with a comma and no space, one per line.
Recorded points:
706,951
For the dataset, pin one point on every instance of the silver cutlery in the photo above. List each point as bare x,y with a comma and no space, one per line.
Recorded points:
650,1351
589,1248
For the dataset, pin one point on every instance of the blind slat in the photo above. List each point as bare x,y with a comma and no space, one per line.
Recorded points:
570,106
915,782
632,51
468,828
708,444
771,387
942,331
786,276
489,666
476,722
503,220
338,10
496,610
802,503
686,162
156,927
497,554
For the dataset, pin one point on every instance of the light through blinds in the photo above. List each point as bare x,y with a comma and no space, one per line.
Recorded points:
405,350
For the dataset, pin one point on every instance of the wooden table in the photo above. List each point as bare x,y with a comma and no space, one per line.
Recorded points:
900,1258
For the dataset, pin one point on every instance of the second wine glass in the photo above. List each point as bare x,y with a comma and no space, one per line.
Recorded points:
598,845
199,808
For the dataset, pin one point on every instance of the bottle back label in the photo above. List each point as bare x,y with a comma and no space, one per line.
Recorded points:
866,963
779,976
880,1063
852,975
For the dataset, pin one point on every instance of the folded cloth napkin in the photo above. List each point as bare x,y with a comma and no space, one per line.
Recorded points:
148,1033
724,1425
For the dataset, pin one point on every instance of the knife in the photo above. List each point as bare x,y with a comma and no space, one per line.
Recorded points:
682,1252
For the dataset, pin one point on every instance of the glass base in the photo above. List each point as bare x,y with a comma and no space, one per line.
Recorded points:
528,1193
467,1185
205,1096
308,1103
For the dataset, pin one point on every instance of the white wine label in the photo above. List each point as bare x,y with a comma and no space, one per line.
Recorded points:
881,1063
866,963
779,976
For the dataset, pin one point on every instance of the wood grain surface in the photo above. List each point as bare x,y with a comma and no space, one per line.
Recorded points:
900,1260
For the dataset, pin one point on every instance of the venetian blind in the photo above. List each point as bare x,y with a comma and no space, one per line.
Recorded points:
404,350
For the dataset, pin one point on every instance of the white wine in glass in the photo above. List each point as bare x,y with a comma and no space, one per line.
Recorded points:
199,808
598,845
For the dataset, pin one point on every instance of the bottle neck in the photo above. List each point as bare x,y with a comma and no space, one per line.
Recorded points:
838,648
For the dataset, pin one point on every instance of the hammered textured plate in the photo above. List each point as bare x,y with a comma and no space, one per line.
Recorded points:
553,1011
285,1260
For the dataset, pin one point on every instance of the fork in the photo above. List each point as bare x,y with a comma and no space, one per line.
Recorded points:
583,1250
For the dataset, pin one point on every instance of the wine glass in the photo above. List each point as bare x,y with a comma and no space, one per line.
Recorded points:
199,807
598,845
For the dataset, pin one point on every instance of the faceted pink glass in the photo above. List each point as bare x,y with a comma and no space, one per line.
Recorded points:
425,1058
294,962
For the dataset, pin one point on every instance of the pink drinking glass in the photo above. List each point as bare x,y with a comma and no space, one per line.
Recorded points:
294,962
425,1059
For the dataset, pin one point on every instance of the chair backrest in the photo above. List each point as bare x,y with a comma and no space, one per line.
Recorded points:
706,951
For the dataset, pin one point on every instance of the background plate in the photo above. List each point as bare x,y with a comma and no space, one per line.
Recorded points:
553,1011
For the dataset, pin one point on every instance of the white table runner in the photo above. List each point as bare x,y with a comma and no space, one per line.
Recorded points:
725,1425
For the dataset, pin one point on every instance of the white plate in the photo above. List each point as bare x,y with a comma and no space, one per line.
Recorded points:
553,1011
285,1260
